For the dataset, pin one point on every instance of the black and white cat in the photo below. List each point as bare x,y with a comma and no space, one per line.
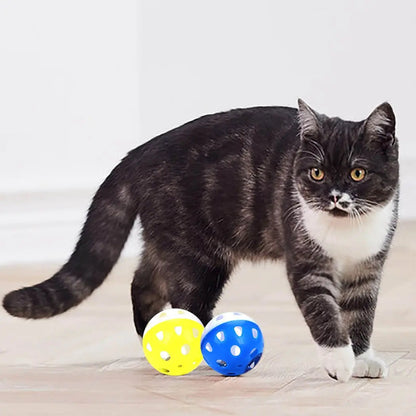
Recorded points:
320,193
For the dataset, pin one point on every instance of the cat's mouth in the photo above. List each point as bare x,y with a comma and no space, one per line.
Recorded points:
337,212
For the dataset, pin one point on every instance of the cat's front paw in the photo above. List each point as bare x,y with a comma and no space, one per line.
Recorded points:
368,365
338,362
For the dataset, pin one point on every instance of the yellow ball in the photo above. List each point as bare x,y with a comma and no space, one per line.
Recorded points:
172,342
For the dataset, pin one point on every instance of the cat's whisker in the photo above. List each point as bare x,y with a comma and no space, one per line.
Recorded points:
318,147
366,208
314,156
352,215
357,216
367,205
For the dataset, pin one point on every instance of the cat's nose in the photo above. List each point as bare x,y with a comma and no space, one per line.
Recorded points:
335,196
340,200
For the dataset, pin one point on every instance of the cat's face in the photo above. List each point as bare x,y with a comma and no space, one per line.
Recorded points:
347,168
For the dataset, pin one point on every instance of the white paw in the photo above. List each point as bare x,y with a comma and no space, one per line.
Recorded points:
338,362
368,365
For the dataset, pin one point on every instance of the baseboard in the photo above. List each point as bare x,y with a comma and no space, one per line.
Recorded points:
44,226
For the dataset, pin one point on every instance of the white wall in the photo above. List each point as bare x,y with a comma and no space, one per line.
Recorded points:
68,91
344,57
83,81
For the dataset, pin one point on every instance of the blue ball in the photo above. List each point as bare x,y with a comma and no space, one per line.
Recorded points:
232,344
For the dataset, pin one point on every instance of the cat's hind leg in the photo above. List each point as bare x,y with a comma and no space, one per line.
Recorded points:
148,292
195,285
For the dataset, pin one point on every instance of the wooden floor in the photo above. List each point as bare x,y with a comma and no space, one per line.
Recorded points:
89,361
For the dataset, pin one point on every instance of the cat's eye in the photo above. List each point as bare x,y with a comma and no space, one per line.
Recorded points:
357,174
316,174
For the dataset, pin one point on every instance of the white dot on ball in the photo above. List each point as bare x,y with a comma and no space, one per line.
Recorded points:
178,330
165,355
159,335
220,336
238,330
186,349
255,333
149,347
208,347
235,350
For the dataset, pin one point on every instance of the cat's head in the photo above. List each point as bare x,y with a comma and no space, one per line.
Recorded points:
347,168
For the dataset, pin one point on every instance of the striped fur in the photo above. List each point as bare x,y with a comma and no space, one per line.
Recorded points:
234,186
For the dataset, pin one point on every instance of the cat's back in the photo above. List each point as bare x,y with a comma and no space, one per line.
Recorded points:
219,132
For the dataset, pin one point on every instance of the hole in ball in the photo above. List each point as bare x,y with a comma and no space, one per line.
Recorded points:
254,362
238,330
165,355
235,350
220,335
221,363
255,333
186,349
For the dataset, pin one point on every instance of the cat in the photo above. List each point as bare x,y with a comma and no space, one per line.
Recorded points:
318,192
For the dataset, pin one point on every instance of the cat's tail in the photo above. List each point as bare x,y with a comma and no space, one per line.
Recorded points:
110,218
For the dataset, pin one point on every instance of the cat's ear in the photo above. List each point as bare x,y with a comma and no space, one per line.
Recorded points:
308,120
381,125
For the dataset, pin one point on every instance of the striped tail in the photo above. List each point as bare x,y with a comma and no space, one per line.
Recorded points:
110,218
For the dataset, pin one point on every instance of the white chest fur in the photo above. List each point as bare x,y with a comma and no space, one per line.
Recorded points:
345,240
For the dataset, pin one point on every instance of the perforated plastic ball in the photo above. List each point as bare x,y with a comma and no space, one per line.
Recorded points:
172,342
232,344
